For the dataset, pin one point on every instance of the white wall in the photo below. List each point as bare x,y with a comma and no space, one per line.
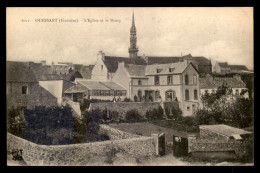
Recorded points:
54,87
100,71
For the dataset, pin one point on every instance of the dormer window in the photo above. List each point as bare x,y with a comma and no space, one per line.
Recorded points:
171,69
158,70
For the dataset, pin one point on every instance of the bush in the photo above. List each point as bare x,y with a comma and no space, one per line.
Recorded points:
155,114
174,109
127,99
133,115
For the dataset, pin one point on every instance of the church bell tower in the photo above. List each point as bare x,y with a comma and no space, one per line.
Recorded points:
133,50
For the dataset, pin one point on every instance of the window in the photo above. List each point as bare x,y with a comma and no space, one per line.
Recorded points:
206,91
170,95
187,96
156,80
171,69
213,91
186,79
188,108
169,79
237,92
139,82
195,94
158,70
157,95
101,67
24,90
194,79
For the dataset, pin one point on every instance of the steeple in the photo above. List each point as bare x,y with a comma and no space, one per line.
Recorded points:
133,48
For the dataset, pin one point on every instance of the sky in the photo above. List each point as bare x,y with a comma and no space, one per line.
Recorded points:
222,34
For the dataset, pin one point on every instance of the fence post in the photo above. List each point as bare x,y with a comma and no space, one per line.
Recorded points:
156,142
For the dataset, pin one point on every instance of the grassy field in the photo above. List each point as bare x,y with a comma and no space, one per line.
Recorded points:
146,129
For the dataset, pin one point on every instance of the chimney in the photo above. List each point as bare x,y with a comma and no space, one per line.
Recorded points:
237,76
101,55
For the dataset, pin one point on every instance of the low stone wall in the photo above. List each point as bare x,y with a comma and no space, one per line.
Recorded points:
115,134
123,107
198,145
80,154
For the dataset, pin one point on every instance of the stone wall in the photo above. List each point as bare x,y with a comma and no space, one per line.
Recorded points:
115,134
123,107
211,136
80,154
206,145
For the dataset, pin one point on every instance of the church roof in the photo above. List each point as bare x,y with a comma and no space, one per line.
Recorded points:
200,60
223,64
238,67
111,62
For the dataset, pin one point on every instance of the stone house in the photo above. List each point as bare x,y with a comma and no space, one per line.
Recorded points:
210,84
161,83
23,89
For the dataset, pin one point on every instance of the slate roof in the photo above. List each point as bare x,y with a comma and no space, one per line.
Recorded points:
72,75
223,64
224,130
210,83
47,77
200,60
136,70
19,72
85,71
76,89
238,67
177,68
111,62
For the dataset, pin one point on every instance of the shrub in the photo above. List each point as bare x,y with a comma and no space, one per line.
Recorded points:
155,114
127,99
133,115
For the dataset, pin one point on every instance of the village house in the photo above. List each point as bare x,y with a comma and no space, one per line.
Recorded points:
210,84
175,82
23,89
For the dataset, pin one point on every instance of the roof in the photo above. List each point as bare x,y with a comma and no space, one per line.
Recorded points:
135,70
223,64
47,77
72,75
200,60
113,86
177,68
85,71
225,130
111,62
76,89
93,85
210,83
19,72
238,67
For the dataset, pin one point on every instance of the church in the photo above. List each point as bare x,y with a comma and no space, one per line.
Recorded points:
106,66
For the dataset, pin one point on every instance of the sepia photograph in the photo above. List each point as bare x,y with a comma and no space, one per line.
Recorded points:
130,86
